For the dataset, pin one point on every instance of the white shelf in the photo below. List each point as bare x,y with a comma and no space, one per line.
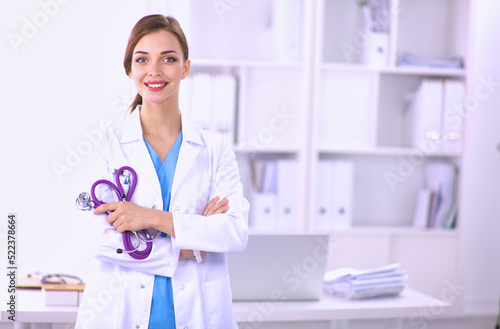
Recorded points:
388,151
407,231
401,70
267,150
419,71
201,62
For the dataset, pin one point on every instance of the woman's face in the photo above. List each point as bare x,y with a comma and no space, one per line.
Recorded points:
158,67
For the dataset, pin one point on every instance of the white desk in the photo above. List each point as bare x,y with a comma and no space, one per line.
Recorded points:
31,309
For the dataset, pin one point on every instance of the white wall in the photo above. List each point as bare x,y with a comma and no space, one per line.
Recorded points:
482,180
58,86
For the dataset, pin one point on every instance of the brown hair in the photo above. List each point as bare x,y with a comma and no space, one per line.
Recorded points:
146,25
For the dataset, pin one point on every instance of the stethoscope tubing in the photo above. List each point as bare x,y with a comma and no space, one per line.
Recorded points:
130,249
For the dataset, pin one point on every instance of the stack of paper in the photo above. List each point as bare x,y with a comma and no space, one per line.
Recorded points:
408,59
360,284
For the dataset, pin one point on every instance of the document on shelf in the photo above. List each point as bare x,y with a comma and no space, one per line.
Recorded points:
409,59
442,178
423,208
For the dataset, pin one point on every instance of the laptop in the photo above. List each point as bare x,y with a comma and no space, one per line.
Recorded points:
279,267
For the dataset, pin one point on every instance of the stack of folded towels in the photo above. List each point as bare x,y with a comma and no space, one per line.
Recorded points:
360,284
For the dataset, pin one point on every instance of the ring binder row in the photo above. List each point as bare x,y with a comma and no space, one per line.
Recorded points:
334,194
274,194
434,116
210,100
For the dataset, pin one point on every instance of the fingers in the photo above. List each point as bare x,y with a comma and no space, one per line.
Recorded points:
105,207
123,216
212,203
186,254
216,207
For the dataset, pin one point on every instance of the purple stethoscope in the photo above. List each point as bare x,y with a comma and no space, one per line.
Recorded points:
86,202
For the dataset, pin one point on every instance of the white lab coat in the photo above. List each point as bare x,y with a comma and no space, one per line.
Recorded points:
120,291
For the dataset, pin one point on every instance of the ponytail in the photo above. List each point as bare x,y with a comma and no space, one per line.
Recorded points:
137,101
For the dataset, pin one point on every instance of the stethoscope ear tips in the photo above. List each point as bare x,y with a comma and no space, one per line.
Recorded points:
119,251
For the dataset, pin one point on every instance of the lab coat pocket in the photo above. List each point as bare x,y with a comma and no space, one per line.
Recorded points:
218,304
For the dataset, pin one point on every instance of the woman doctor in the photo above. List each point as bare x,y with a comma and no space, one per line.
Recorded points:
188,188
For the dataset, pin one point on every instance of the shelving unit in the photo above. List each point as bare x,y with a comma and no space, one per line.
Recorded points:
358,117
340,108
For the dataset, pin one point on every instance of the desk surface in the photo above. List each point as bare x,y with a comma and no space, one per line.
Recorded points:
31,308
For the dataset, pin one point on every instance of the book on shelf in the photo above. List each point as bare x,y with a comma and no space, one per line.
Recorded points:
437,205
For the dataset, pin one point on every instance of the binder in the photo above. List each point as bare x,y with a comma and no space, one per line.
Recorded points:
423,115
323,195
452,120
185,97
376,51
335,194
202,104
263,208
285,16
264,196
224,104
287,178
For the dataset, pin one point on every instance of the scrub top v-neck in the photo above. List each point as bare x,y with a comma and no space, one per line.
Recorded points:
162,304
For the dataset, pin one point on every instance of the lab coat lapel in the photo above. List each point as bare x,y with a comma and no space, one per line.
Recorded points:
191,144
139,157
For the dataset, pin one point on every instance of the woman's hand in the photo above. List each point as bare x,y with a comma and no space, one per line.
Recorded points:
216,207
213,207
126,216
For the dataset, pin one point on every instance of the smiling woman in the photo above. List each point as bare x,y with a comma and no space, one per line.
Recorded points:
145,26
188,188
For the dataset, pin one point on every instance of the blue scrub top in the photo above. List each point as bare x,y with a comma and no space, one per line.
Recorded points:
162,304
